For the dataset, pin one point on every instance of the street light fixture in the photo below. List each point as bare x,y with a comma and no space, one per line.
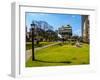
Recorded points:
33,28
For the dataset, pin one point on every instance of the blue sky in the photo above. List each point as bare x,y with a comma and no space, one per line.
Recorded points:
56,20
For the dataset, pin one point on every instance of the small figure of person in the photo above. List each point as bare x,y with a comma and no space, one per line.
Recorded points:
37,41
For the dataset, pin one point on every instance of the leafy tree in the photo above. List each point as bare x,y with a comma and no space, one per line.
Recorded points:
43,30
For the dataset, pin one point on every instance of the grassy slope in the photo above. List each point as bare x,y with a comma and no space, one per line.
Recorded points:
29,46
60,55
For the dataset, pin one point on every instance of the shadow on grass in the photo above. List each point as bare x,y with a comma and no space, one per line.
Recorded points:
68,62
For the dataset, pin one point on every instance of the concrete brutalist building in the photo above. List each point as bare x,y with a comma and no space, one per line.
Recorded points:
65,31
85,28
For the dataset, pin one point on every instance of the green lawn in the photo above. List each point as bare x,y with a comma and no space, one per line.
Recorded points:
65,54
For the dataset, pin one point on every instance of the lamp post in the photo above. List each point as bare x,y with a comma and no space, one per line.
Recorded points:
32,27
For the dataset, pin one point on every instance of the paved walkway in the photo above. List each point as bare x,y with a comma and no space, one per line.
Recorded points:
29,52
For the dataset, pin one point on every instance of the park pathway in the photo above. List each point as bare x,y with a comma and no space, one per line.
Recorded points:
29,52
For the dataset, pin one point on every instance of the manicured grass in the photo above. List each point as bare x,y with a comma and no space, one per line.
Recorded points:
60,54
29,45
